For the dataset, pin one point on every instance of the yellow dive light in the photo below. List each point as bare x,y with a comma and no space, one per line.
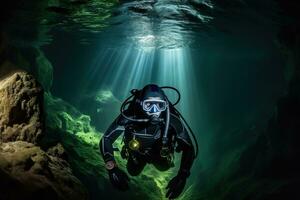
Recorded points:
134,144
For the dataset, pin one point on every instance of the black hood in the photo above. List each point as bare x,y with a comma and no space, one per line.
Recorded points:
152,90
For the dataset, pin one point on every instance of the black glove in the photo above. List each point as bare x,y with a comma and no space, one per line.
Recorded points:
119,179
176,185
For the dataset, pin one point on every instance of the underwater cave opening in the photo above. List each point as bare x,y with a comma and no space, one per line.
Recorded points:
229,72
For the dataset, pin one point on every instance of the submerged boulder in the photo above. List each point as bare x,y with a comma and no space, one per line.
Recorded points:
27,170
21,116
37,173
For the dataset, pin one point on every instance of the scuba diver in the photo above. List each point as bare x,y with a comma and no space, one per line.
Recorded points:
153,130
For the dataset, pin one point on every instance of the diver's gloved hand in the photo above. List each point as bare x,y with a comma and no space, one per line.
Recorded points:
118,178
176,185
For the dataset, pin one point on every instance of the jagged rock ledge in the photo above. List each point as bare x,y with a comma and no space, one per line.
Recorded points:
28,171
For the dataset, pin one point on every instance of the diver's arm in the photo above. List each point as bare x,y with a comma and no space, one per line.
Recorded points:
187,158
118,178
184,144
176,184
109,137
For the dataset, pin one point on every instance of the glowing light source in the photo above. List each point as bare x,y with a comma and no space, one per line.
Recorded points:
148,40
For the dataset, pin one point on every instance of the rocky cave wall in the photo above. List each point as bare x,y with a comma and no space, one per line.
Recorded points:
28,170
30,166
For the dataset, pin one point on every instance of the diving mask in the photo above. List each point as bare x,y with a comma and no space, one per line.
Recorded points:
154,106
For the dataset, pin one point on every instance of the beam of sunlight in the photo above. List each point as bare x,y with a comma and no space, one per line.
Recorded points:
121,70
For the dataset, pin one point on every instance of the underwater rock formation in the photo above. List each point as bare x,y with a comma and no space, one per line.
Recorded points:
27,170
35,62
21,116
36,173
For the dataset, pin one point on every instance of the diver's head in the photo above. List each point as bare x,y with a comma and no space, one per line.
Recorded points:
153,100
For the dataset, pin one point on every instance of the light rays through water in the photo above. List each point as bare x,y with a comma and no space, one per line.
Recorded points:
121,70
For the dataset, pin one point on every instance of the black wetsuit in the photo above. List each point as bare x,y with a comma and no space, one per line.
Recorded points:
150,137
